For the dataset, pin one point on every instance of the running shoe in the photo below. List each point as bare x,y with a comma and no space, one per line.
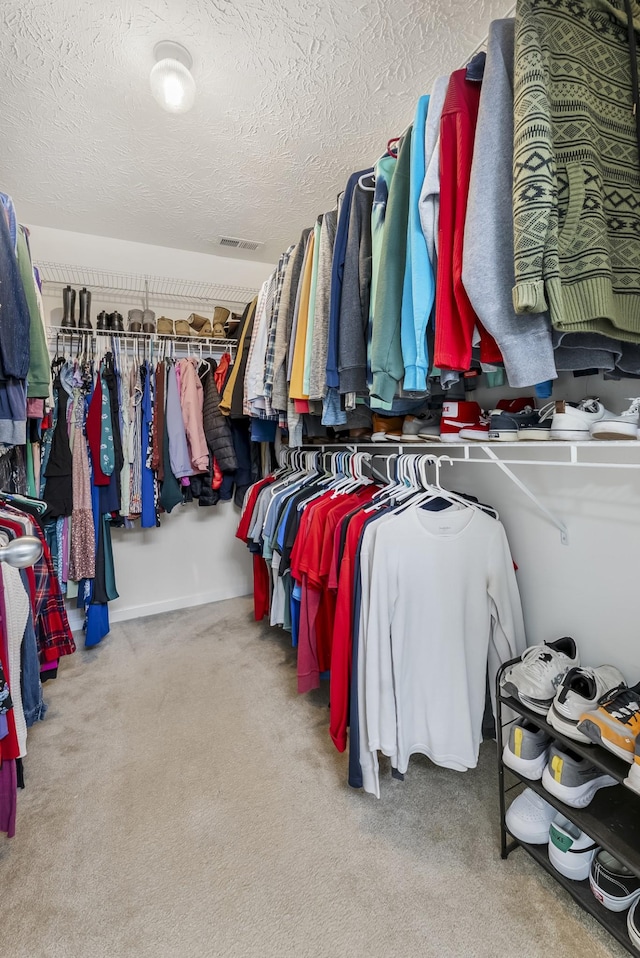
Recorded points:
572,779
527,750
616,723
534,680
632,780
579,693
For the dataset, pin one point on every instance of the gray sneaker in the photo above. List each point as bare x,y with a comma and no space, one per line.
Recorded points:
527,750
572,779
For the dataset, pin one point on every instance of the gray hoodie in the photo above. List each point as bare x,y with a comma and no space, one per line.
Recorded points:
487,266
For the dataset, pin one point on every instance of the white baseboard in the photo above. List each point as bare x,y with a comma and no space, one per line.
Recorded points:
76,617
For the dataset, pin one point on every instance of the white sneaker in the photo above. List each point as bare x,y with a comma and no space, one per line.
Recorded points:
425,428
624,426
578,693
529,818
534,680
573,423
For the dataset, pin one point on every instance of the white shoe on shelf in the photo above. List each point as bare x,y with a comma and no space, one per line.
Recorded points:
624,426
572,423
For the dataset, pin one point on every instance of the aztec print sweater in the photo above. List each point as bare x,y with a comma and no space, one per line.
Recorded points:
576,190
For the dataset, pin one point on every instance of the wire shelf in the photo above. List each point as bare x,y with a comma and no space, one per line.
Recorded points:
159,289
168,343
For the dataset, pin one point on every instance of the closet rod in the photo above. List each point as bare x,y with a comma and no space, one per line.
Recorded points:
493,460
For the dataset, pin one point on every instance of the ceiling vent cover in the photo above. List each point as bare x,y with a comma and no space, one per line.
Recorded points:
232,242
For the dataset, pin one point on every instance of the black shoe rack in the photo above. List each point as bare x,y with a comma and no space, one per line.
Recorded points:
612,819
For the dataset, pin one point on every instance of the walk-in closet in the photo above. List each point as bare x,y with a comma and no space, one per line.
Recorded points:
319,479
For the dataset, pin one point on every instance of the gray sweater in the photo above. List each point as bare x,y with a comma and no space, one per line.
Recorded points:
318,374
487,266
356,290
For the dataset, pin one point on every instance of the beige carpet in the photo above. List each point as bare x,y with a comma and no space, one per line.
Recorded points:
183,800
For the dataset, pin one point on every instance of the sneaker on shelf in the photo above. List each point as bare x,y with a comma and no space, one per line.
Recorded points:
527,750
538,429
506,426
624,426
385,424
633,924
580,692
457,416
573,423
572,779
529,817
612,883
424,428
534,679
479,432
571,851
632,780
616,722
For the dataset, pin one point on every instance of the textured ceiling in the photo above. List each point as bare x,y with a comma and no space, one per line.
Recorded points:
293,95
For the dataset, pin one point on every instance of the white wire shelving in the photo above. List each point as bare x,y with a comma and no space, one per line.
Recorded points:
63,339
500,455
137,289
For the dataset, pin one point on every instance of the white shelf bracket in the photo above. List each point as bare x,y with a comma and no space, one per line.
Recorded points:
564,533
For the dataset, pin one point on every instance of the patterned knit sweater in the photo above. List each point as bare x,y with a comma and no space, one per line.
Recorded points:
576,190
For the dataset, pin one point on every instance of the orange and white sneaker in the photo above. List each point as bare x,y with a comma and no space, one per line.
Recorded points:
616,722
632,780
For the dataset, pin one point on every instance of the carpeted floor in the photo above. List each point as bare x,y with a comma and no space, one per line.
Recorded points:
183,800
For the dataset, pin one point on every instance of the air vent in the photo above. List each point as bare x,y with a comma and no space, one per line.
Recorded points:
232,242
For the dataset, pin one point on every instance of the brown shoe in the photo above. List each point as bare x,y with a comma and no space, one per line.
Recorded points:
165,326
182,328
386,424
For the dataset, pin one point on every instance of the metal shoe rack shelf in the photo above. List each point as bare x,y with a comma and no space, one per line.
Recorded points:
612,818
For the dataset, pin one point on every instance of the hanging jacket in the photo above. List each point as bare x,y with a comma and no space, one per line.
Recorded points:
455,317
39,376
14,311
387,367
191,403
419,284
487,262
576,171
216,426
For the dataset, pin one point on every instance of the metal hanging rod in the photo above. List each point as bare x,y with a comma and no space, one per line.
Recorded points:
489,457
158,289
64,332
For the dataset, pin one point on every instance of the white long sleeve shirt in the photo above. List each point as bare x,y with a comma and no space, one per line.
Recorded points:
443,609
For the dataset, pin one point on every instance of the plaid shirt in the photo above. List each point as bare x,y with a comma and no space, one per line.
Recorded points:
273,322
52,625
53,632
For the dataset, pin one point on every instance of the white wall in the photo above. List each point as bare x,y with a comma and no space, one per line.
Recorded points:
588,589
194,556
101,252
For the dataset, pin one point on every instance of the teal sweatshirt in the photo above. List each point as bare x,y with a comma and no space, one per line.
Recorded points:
387,366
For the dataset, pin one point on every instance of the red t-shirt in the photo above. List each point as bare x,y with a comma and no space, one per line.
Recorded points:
342,644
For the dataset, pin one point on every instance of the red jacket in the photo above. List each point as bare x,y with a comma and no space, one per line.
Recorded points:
455,317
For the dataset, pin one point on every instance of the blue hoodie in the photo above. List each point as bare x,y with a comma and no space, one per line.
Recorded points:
419,284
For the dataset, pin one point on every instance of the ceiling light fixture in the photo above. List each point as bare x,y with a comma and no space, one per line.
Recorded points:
171,82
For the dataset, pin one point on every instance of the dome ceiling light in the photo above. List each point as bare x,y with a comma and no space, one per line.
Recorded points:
171,81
